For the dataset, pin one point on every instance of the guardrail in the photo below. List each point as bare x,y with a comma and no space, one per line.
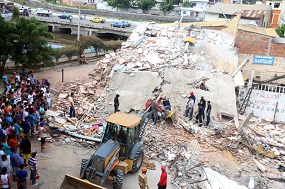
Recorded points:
92,26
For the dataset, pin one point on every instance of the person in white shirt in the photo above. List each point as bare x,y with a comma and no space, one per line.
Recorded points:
48,99
189,109
44,89
25,114
17,77
31,98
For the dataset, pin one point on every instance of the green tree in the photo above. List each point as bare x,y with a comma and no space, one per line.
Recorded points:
69,51
30,44
187,4
16,13
5,43
112,45
119,3
280,30
145,5
87,41
166,6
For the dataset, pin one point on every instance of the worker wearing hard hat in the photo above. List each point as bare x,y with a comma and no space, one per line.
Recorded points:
143,179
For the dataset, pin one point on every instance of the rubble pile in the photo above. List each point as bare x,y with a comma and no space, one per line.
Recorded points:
153,47
188,151
253,151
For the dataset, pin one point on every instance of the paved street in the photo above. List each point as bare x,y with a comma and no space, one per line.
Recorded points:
83,22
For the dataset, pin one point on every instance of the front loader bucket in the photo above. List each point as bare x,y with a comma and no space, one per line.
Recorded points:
71,182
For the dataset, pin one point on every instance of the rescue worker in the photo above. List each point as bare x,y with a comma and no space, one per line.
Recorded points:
154,109
116,103
166,104
163,178
147,104
143,179
192,96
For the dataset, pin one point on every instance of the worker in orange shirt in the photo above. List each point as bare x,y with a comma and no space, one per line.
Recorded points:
163,178
143,179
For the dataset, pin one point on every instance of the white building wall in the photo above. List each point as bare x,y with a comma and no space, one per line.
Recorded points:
212,17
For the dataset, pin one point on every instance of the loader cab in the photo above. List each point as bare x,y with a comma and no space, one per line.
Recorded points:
122,128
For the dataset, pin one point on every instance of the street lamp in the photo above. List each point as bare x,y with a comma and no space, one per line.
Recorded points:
78,29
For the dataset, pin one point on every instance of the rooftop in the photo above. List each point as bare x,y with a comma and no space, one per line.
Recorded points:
231,9
252,13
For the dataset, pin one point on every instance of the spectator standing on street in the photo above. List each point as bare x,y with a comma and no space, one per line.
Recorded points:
21,176
116,103
1,153
33,168
6,149
5,179
163,178
43,134
5,163
25,147
4,79
16,160
71,105
208,112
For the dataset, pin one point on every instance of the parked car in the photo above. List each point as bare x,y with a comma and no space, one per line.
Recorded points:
119,24
127,24
65,16
98,20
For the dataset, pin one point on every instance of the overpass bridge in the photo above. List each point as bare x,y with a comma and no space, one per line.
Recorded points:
86,27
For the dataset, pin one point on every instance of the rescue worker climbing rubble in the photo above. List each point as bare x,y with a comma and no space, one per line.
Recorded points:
143,179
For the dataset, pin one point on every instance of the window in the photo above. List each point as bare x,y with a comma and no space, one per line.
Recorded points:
91,1
193,4
276,5
226,16
184,12
197,14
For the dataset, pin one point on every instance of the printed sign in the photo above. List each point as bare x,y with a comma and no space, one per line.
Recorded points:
264,104
264,60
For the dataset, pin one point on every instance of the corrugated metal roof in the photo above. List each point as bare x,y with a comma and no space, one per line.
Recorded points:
231,9
252,13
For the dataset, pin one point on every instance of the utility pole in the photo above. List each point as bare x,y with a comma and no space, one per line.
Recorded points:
78,28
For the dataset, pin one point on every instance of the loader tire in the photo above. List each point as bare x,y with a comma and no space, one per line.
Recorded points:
83,164
138,160
118,184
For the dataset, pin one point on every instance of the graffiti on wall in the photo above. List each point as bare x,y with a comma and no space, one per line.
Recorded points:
265,103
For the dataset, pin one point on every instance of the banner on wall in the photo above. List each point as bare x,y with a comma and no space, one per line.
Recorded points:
265,103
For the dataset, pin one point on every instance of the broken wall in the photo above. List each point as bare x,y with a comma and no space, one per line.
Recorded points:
221,90
133,89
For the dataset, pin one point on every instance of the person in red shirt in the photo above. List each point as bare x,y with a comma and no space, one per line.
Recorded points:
163,178
13,142
147,104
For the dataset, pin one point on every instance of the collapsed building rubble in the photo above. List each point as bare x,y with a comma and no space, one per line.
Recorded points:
159,60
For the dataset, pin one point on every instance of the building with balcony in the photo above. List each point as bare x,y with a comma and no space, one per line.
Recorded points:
197,9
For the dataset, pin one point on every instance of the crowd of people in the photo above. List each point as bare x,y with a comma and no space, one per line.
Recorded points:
24,103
